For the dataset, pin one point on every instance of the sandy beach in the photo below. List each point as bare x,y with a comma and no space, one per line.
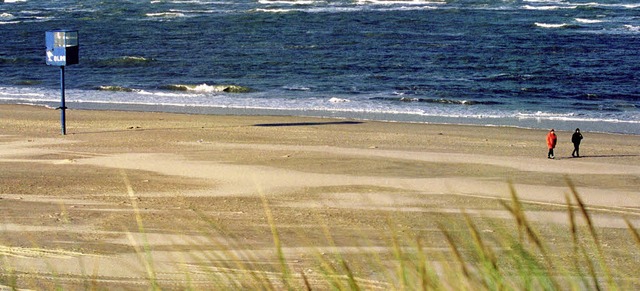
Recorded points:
124,193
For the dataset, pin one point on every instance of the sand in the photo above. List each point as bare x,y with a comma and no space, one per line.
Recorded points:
126,196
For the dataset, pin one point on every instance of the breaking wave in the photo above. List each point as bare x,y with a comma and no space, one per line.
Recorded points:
165,14
556,25
588,21
632,28
204,88
117,89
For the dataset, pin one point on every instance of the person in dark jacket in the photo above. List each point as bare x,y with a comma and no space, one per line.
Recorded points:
575,139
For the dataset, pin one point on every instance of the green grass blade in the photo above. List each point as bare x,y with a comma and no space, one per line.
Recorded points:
286,273
148,258
594,235
633,231
456,252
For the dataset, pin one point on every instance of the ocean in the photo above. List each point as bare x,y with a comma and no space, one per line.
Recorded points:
524,63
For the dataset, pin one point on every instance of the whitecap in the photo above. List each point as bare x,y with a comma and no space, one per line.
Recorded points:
308,10
289,2
281,10
410,8
166,14
187,2
551,25
398,2
550,7
204,88
338,100
631,6
117,89
543,1
135,58
6,16
297,88
588,21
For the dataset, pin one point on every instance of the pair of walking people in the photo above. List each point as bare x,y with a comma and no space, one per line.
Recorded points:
552,140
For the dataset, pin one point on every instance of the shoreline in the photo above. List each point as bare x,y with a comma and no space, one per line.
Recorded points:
76,202
532,123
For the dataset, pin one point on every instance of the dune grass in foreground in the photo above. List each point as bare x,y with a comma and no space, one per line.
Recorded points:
476,258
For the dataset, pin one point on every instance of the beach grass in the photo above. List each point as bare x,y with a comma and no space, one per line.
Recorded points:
487,257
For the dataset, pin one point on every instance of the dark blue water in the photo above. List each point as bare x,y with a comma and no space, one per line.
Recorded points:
538,63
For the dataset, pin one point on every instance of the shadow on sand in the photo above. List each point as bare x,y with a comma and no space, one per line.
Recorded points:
306,123
139,128
595,156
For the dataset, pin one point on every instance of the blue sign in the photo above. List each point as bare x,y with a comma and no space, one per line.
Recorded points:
62,47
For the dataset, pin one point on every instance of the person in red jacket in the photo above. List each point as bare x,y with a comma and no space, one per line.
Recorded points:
552,139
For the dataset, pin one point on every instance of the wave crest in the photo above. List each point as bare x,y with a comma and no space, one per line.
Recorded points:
6,16
589,21
338,100
399,2
117,89
165,15
204,88
632,28
556,25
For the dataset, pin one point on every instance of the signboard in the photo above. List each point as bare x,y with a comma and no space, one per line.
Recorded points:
62,47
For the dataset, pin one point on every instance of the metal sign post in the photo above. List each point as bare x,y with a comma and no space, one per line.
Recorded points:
62,50
62,107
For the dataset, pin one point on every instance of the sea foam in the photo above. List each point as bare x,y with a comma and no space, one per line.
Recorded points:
204,88
588,21
551,25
